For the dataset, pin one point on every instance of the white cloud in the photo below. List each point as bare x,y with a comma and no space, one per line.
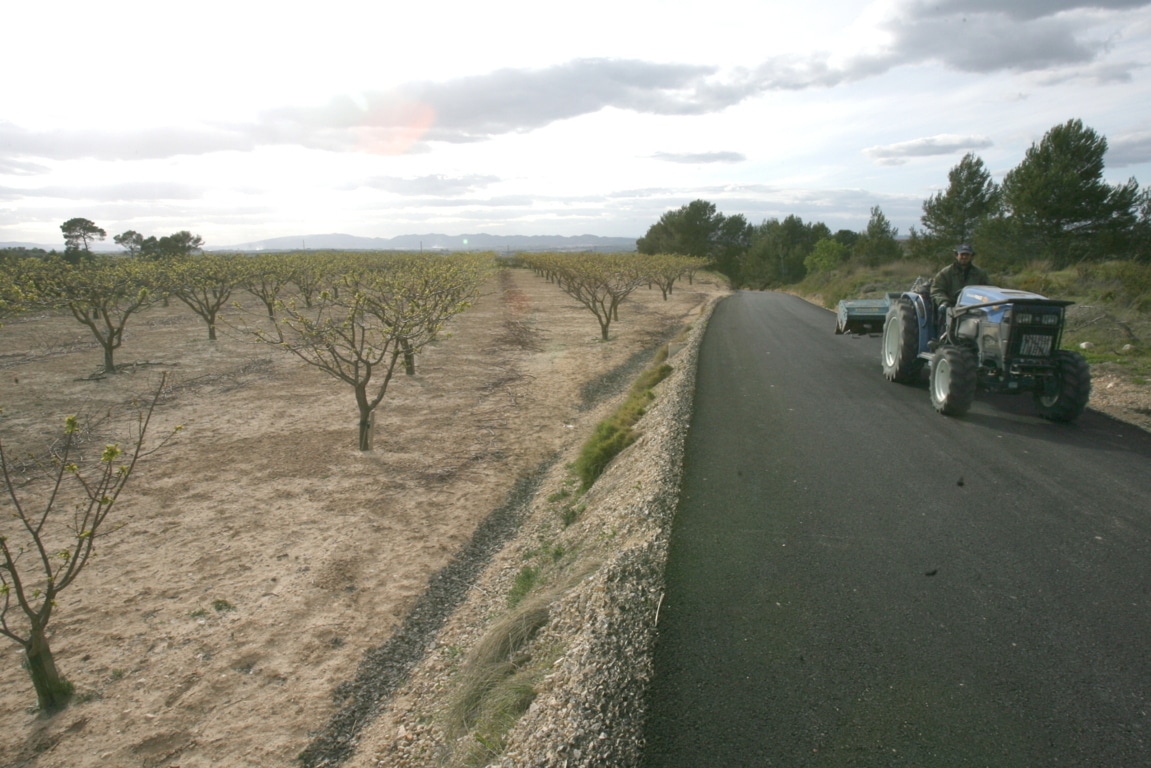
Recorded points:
928,146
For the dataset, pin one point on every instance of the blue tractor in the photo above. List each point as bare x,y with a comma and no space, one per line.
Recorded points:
995,339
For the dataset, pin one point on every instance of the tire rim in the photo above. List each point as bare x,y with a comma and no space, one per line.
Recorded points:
942,379
890,344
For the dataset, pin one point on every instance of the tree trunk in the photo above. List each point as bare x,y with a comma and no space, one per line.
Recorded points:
52,691
109,363
367,417
409,357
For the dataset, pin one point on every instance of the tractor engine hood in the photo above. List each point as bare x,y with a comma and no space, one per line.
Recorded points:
985,295
993,302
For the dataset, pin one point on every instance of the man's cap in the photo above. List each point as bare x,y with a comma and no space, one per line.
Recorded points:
965,248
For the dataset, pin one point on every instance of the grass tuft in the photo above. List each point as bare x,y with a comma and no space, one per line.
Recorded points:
525,580
495,686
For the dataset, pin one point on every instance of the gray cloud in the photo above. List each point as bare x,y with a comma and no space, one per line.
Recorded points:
1129,150
501,102
1099,73
1017,9
700,158
987,43
508,100
928,146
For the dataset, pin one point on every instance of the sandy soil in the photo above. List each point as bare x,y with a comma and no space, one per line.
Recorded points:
261,553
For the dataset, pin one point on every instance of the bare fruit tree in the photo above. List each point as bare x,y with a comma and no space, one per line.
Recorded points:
375,312
267,278
205,283
599,281
54,512
102,294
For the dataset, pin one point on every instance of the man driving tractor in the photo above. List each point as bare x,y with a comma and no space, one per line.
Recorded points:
952,279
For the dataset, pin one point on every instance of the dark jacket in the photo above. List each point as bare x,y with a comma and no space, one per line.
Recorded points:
950,280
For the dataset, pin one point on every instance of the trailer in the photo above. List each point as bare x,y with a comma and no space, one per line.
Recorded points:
860,316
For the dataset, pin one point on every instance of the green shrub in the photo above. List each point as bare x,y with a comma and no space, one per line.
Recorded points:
615,433
607,442
1134,284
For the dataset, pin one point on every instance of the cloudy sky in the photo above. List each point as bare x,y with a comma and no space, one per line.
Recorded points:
241,119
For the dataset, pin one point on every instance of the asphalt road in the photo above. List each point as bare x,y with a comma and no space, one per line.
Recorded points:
855,580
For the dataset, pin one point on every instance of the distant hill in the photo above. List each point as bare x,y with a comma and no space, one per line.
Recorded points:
434,242
29,246
430,242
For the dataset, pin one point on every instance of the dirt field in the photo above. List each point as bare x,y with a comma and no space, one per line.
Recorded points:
261,553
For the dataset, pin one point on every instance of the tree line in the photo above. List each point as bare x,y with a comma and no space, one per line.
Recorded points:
1054,207
602,281
80,233
355,316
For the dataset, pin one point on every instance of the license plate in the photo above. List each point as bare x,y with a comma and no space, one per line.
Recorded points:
1035,346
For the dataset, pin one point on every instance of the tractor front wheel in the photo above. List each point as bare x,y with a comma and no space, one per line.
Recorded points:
1064,396
900,349
953,380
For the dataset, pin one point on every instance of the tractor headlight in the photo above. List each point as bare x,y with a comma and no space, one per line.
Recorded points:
1051,319
1023,318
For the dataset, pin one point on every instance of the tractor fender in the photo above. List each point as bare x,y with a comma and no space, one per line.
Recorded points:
923,312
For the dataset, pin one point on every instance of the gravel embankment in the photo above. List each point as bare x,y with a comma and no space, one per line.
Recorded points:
589,710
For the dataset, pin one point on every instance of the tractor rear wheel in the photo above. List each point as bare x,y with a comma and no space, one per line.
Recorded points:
1063,397
900,351
953,380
